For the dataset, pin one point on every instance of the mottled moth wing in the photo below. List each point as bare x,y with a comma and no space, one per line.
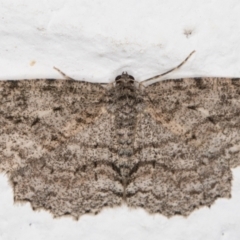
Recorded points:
53,140
205,112
191,139
74,147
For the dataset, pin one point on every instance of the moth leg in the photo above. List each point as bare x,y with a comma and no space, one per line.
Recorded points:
173,69
63,74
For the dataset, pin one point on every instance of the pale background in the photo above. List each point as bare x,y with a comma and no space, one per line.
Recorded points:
96,40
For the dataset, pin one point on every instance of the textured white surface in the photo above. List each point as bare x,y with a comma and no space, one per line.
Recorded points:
96,40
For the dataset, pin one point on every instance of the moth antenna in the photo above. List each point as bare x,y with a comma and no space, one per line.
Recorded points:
63,74
173,69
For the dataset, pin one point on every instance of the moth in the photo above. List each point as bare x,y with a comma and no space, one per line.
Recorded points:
74,147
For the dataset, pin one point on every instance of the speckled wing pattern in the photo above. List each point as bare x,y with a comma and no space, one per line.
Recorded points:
73,147
191,130
50,130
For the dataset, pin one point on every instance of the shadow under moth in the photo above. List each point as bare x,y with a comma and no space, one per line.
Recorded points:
75,147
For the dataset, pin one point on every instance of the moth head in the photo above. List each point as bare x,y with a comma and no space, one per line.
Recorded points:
124,79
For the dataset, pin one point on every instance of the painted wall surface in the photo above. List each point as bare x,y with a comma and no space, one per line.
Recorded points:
96,40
